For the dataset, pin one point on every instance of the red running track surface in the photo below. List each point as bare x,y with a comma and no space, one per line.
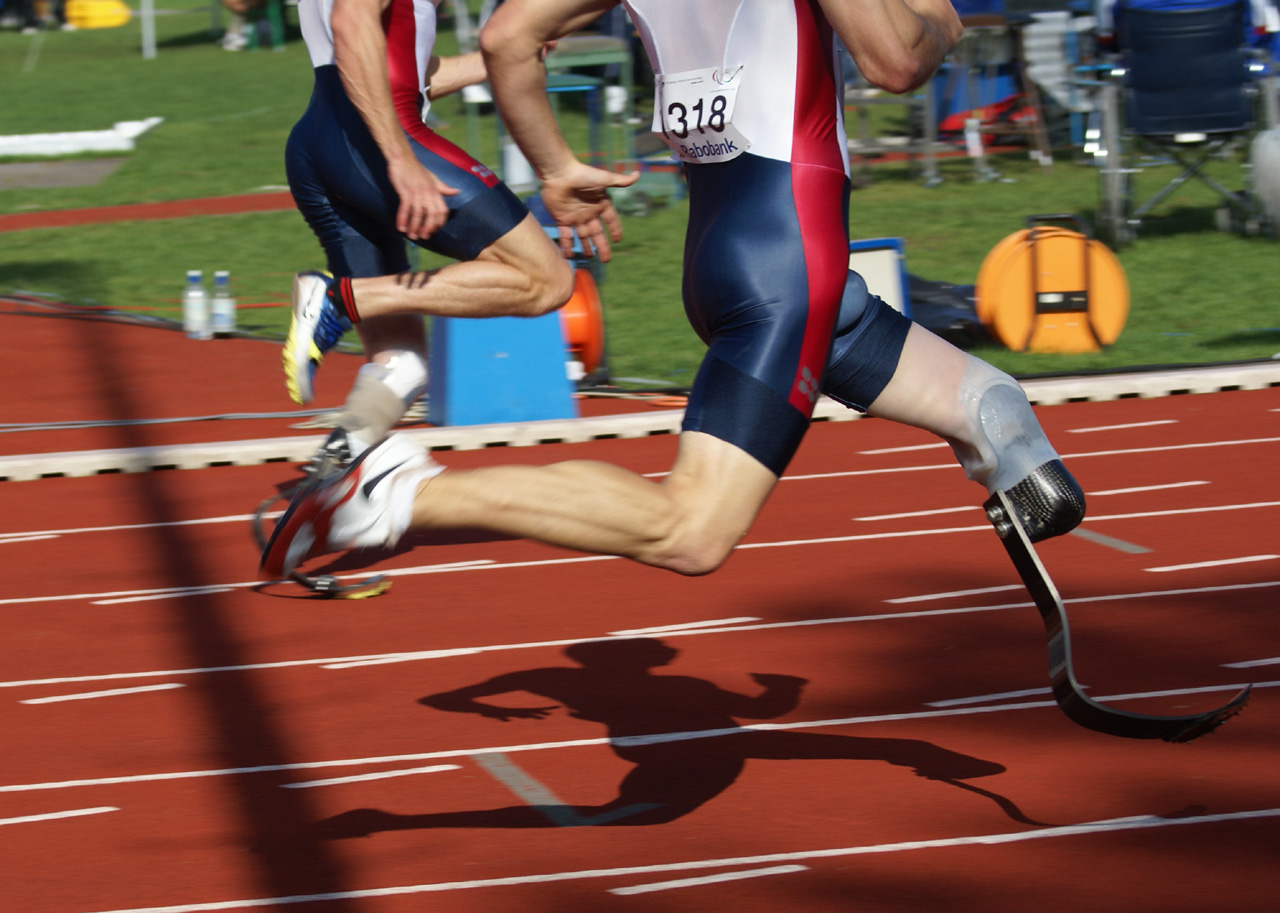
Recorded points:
905,757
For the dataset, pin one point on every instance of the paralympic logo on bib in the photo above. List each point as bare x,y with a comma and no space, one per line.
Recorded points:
709,149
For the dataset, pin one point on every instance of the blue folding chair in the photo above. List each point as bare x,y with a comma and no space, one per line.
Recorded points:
1185,86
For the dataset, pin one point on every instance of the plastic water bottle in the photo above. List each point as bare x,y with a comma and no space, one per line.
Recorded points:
222,311
195,307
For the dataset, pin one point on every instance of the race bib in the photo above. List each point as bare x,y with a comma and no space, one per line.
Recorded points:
693,111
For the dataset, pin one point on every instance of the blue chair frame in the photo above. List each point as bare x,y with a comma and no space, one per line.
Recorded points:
1185,86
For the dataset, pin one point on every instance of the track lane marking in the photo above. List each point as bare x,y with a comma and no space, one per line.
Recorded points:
1124,427
245,518
985,698
1138,489
686,626
1114,825
408,656
623,741
380,775
708,879
1249,664
1119,545
92,695
54,816
953,594
1221,562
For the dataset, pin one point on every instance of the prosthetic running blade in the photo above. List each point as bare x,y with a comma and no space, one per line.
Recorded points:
1075,704
320,584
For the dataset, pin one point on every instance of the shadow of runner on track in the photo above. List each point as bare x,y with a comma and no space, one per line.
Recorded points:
679,732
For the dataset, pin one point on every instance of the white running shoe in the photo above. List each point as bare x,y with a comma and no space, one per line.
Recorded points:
367,505
315,327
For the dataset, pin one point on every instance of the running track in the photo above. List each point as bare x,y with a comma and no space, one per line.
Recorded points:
178,738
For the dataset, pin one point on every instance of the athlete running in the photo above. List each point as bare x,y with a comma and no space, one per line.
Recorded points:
367,173
749,95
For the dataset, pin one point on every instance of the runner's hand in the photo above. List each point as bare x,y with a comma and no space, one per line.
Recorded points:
578,199
422,206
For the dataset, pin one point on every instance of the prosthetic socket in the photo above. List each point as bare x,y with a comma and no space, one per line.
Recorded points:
1002,442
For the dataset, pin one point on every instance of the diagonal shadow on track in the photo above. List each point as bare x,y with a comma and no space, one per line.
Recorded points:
286,856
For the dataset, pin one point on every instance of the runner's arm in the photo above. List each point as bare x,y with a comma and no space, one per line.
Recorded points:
575,194
897,44
360,51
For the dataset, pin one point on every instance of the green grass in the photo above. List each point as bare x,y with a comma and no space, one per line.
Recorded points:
1197,295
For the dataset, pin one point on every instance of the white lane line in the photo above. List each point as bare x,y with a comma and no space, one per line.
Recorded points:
1273,661
380,775
538,796
987,698
1092,494
174,593
621,741
164,592
1143,488
1134,451
1126,427
934,446
953,594
708,879
6,540
1221,562
204,521
1114,825
54,816
920,513
565,642
1183,511
90,695
243,518
1119,545
687,626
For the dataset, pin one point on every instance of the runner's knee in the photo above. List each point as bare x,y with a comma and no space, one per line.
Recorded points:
555,287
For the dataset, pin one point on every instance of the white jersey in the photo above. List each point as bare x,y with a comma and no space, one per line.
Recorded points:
411,36
763,73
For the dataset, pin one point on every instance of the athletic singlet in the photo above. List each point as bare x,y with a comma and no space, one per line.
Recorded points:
337,172
411,37
787,105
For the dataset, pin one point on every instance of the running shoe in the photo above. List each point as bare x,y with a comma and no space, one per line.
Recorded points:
1049,501
315,328
366,505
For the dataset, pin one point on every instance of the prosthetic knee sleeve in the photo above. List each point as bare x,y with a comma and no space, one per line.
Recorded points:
1002,442
383,391
866,347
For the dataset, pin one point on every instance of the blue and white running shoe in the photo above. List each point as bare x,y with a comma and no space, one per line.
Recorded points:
315,328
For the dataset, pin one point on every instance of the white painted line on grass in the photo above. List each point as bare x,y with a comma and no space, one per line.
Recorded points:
1221,562
708,879
621,741
687,626
90,695
1125,427
54,816
380,775
1115,825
